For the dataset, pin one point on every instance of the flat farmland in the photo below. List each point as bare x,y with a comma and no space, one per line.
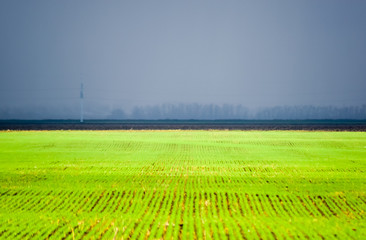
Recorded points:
174,184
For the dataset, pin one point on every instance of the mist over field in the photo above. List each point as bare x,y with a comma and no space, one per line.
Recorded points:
189,59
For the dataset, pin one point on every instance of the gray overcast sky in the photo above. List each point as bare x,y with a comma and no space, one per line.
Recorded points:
127,53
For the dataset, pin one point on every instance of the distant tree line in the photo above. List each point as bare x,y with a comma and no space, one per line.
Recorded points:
190,111
312,112
229,111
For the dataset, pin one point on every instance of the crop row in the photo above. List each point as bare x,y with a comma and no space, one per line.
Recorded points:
167,213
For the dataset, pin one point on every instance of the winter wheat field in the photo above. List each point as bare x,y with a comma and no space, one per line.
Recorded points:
182,185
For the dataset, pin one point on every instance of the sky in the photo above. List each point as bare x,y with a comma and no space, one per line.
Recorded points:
136,53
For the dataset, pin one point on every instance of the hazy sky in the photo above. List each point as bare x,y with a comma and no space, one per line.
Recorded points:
127,53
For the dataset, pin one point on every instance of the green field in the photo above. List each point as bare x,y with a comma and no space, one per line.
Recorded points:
182,184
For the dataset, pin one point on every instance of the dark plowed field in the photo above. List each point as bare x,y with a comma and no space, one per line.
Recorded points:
309,125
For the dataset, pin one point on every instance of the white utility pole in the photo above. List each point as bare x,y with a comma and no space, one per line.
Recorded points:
81,103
